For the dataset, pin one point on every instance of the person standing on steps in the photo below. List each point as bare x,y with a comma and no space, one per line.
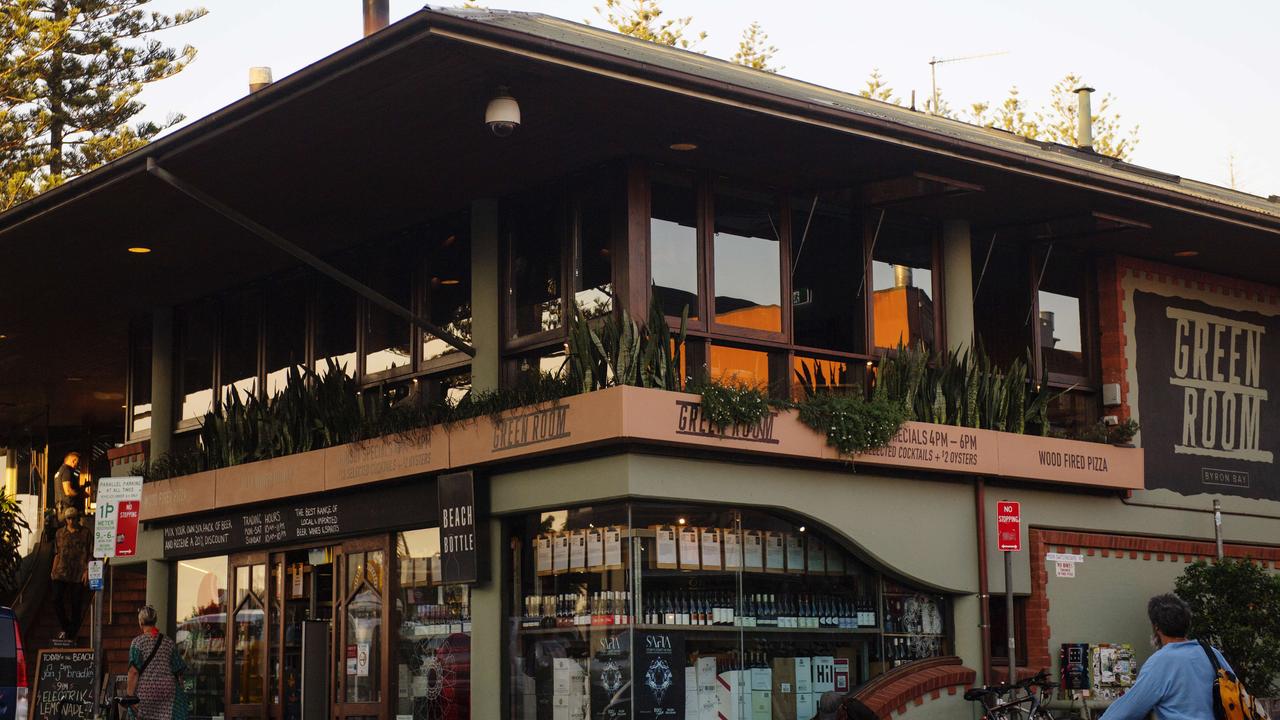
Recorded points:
70,482
70,572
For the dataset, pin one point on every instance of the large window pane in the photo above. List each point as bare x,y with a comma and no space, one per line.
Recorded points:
1062,286
387,336
752,367
448,283
197,328
286,333
364,627
828,296
200,611
598,212
1002,309
673,245
433,645
748,254
535,230
250,632
140,374
239,357
335,328
902,280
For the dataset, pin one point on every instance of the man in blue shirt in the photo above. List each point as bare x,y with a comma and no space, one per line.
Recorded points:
1177,681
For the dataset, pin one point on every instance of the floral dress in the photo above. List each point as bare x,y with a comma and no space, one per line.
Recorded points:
160,692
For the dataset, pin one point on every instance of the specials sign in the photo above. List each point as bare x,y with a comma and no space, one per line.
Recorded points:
1205,374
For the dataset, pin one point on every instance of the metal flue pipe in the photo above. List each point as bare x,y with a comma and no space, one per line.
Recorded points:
377,15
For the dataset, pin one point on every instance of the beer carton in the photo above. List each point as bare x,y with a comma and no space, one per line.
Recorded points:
824,674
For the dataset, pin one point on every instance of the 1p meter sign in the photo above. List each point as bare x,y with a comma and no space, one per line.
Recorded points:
115,530
1008,526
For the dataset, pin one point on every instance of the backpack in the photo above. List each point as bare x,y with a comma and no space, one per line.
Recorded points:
1230,700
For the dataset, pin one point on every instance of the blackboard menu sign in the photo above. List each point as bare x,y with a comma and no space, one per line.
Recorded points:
659,675
63,675
309,518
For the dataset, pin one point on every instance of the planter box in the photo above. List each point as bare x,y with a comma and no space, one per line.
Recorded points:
629,415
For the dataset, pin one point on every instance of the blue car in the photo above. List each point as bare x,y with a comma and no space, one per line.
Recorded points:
13,669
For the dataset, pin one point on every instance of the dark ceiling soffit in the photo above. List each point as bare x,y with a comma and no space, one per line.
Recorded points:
408,31
464,30
319,265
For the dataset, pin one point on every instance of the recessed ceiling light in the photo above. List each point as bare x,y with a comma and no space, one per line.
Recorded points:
139,250
1186,253
74,378
683,146
450,281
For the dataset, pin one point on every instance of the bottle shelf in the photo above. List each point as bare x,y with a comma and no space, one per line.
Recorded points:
701,629
908,635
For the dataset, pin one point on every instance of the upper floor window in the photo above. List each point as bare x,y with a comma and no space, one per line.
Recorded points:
335,328
285,333
747,258
448,284
238,366
140,374
389,270
673,245
196,329
1060,299
535,228
828,297
902,283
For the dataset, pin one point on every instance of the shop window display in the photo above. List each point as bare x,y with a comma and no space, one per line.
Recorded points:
433,641
200,635
650,610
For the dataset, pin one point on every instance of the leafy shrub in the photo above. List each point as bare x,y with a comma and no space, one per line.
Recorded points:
11,526
730,402
850,423
1235,605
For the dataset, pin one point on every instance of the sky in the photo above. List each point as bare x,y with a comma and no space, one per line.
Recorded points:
1198,78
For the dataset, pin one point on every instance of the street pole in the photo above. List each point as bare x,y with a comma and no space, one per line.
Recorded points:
1217,526
1008,614
97,654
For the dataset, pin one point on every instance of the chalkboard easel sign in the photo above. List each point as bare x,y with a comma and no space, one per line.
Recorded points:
63,674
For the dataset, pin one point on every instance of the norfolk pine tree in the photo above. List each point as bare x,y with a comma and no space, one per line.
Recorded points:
754,49
79,93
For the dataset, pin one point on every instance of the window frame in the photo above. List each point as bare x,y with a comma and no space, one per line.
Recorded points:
706,238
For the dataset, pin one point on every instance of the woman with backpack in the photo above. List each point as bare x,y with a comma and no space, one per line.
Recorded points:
155,672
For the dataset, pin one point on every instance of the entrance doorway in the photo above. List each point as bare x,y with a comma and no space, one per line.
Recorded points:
330,599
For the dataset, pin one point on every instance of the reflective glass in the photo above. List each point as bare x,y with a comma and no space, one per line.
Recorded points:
748,255
197,328
335,342
535,230
902,281
386,337
239,357
363,646
140,374
827,293
673,245
200,635
286,331
433,643
598,213
448,283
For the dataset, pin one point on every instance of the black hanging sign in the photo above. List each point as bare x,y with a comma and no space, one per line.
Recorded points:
1208,423
462,555
311,518
63,677
659,676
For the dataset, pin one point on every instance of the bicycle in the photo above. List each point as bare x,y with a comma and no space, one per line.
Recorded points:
1034,691
110,708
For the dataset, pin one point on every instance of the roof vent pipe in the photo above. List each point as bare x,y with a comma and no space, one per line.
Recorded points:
259,77
1084,119
377,13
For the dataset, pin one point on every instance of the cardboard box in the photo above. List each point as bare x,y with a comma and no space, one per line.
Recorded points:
733,695
842,674
568,713
568,677
761,705
691,693
705,672
664,555
806,706
824,674
761,678
690,552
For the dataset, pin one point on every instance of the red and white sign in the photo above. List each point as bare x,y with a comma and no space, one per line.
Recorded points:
112,533
1009,526
127,528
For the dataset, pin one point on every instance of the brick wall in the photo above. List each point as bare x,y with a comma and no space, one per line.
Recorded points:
911,685
1122,547
128,592
1113,270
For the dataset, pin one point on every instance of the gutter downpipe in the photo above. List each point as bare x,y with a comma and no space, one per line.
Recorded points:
984,590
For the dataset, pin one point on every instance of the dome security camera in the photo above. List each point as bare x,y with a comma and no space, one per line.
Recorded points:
503,113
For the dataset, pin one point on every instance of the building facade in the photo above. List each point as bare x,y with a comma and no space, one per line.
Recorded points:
615,554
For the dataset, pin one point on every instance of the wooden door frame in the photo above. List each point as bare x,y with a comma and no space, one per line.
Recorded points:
381,708
235,561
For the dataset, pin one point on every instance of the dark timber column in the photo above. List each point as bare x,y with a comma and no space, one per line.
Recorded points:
486,295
